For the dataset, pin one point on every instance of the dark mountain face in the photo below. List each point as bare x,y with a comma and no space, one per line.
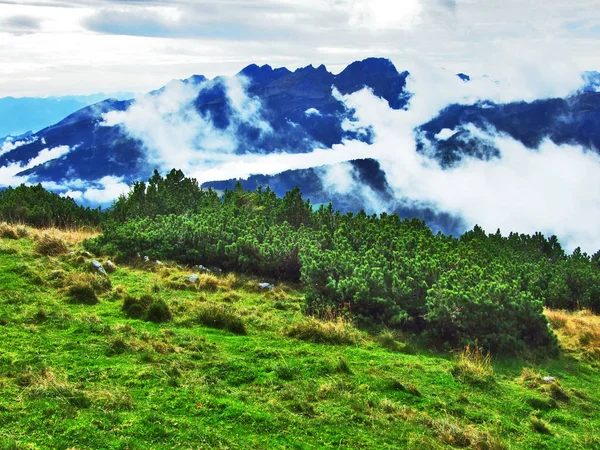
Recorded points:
573,120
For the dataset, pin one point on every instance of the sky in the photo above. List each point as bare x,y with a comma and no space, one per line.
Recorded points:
59,47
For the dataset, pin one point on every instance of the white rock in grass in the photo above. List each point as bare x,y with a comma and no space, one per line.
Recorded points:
266,286
193,278
98,267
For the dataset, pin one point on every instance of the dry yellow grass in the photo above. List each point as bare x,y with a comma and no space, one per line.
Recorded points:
578,332
71,236
337,331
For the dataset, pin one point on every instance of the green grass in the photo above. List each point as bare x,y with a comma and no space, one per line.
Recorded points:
88,376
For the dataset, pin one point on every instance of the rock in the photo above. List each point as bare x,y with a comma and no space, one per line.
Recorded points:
549,379
160,263
201,268
216,270
193,278
146,259
110,266
96,265
266,286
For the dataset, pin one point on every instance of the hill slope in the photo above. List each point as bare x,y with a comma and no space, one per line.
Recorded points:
79,372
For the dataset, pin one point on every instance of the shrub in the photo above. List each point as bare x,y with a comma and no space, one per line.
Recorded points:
49,245
473,366
339,331
221,316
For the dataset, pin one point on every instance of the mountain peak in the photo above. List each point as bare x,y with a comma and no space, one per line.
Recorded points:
379,74
263,74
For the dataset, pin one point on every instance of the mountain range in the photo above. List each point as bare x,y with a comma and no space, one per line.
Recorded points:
266,111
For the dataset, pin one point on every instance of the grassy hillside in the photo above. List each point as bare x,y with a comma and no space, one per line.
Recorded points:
217,362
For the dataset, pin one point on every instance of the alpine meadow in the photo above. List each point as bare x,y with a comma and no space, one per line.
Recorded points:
299,224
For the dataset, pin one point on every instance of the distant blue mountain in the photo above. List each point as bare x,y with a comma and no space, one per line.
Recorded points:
19,115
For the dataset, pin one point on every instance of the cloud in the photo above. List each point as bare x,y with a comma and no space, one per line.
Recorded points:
553,189
9,144
9,173
20,25
384,14
312,112
99,192
176,135
109,189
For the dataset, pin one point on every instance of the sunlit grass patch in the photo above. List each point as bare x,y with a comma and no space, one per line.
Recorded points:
473,366
337,331
8,232
578,332
217,315
51,245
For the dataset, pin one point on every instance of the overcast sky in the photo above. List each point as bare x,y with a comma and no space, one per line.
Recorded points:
50,47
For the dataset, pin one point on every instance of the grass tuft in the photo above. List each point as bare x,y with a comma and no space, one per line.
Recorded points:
473,366
50,245
147,308
339,331
221,316
8,232
540,426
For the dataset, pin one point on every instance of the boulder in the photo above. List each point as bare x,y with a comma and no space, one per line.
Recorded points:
98,267
266,286
193,278
110,266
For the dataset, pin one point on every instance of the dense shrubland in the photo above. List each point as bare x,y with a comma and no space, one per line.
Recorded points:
379,270
382,270
35,206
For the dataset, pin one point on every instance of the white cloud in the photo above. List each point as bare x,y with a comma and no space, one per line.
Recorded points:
8,173
109,188
9,145
176,135
445,134
496,37
312,112
384,14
